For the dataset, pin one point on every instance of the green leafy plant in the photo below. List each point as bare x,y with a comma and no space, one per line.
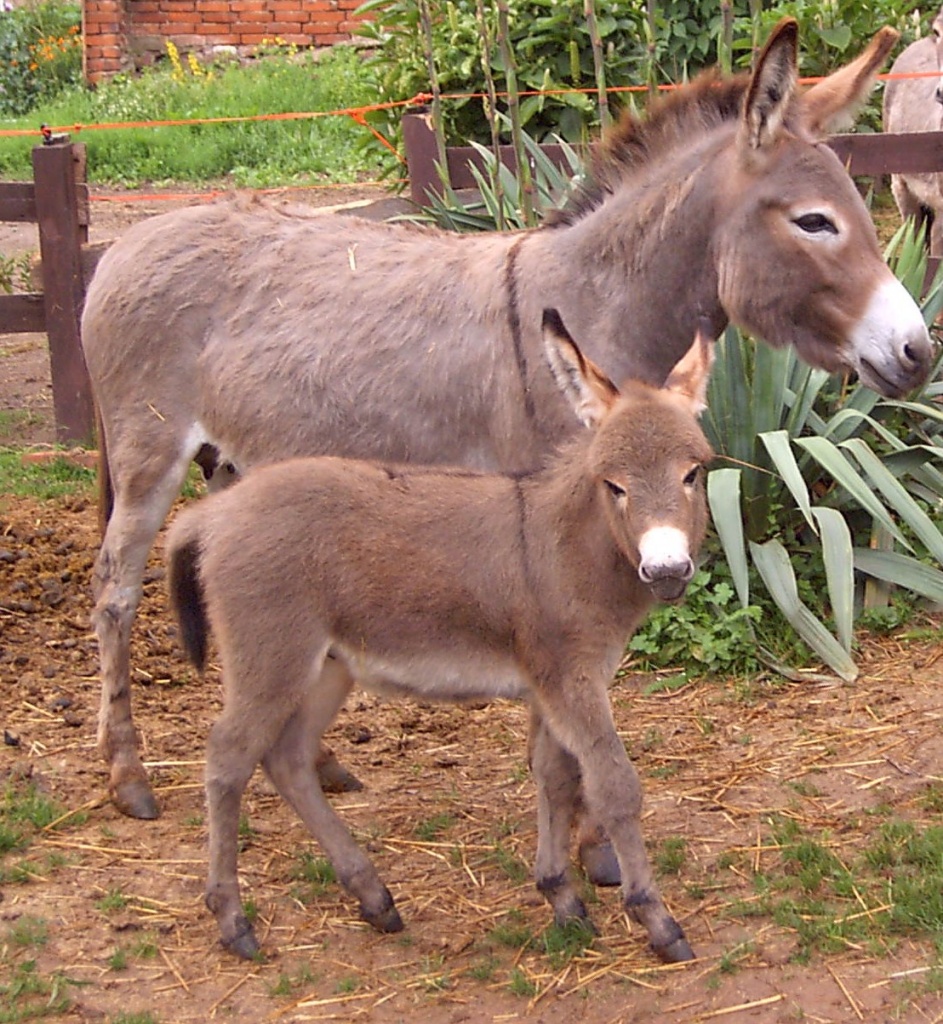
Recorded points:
15,272
40,54
820,477
552,46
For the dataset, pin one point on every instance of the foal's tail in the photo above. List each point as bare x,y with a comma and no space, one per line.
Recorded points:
186,588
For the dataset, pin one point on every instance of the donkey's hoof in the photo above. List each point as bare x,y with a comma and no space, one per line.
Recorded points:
675,952
600,863
334,777
134,798
386,919
244,944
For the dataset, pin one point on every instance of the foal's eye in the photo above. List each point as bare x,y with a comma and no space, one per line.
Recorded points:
691,476
816,224
615,490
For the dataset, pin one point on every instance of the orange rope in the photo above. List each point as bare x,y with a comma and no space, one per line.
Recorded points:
355,113
358,114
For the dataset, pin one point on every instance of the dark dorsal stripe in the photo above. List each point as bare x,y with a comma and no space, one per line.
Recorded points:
514,323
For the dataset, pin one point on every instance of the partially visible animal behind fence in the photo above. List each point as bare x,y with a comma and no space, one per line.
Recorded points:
315,574
242,333
916,105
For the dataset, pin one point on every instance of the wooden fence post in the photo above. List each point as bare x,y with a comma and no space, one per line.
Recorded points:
60,245
421,155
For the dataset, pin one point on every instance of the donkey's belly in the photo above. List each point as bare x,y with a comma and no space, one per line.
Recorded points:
446,676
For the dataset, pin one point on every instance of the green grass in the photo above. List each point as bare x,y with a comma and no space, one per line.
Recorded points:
43,480
431,829
245,154
834,900
512,932
113,901
26,994
315,875
140,1017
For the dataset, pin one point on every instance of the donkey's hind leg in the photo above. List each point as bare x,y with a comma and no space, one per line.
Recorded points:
290,766
143,495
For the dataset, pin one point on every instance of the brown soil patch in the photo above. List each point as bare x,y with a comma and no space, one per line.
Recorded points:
717,759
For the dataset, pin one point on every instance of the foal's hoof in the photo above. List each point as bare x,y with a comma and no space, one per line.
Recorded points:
675,952
244,944
134,798
334,777
386,919
600,864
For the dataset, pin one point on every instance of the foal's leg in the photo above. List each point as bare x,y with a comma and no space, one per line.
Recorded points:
576,710
289,764
144,492
557,777
236,744
218,474
595,850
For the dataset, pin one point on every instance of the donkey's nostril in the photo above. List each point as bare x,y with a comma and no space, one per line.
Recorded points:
910,354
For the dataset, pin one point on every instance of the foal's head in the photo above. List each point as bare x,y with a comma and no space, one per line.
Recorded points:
647,456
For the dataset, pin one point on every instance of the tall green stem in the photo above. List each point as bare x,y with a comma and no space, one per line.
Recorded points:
725,43
599,66
491,107
428,43
651,48
514,113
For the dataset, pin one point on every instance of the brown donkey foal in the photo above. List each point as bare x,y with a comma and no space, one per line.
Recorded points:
449,584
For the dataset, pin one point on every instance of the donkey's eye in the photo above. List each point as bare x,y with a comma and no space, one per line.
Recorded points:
615,490
691,477
816,224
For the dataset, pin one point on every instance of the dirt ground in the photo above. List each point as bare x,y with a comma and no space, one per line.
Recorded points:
447,814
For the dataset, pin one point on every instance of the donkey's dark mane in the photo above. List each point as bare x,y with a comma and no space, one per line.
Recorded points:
634,142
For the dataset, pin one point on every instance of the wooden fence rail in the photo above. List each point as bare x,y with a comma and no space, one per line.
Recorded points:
863,155
57,202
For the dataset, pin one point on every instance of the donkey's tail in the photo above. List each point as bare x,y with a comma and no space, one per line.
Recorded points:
186,589
106,491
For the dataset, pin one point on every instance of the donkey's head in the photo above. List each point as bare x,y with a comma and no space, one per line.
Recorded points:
798,259
647,456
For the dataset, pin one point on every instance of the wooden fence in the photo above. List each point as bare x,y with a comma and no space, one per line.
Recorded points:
57,201
863,155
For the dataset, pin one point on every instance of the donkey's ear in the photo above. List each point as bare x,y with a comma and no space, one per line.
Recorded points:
589,390
832,104
692,371
771,88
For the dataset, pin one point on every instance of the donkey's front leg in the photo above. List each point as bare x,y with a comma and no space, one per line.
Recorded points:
577,712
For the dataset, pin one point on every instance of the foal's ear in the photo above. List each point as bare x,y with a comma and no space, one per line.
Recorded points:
692,371
833,103
590,391
771,87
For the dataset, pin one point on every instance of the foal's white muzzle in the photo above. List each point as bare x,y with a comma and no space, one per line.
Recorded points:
665,563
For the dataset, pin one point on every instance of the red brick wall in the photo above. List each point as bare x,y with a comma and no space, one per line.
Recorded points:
123,34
